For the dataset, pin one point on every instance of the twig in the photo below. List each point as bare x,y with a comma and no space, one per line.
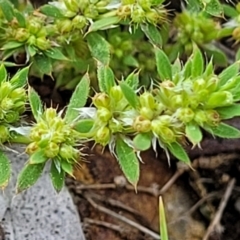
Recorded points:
215,224
122,218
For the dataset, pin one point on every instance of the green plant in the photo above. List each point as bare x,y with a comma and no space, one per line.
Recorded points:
66,39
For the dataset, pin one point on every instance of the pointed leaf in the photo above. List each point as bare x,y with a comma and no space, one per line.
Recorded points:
51,11
132,80
164,67
229,112
104,23
162,220
29,176
128,161
67,167
11,45
228,73
3,73
55,53
193,133
43,64
197,63
7,10
142,141
78,99
178,151
224,131
153,34
5,170
35,103
20,18
99,47
214,8
57,177
84,125
20,78
105,78
129,94
38,157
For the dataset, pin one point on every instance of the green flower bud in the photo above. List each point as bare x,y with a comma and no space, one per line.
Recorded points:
138,15
141,124
103,136
145,4
166,135
103,114
18,94
7,104
212,117
199,84
219,99
64,26
5,89
68,152
146,113
42,33
116,93
154,17
115,126
126,2
79,22
212,84
4,134
51,150
236,33
176,101
101,100
71,5
43,43
34,26
11,116
21,35
50,114
185,114
31,40
91,12
147,100
124,11
200,117
31,148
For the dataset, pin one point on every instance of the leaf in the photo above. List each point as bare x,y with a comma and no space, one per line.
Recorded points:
43,64
38,157
128,161
229,112
29,176
214,7
12,45
78,99
51,11
187,70
193,133
142,141
7,10
55,53
67,167
20,78
20,18
197,63
3,73
237,57
132,80
153,34
164,67
228,73
105,78
223,130
178,151
35,103
57,177
162,220
129,94
84,125
104,23
99,47
31,50
229,11
5,170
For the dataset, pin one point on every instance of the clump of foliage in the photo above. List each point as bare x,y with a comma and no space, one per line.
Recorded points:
152,87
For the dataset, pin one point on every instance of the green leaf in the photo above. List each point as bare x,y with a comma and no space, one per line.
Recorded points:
162,220
104,23
78,99
178,151
35,103
197,63
229,112
153,34
223,130
237,57
55,53
142,141
29,176
193,133
129,94
105,78
57,177
187,70
20,78
3,73
12,45
84,125
132,80
214,8
67,167
228,73
31,50
7,10
38,157
99,47
43,64
229,11
128,161
20,18
164,67
5,170
51,11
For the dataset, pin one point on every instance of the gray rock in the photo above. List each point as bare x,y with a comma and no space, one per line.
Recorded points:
38,213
